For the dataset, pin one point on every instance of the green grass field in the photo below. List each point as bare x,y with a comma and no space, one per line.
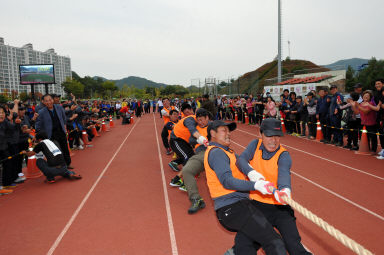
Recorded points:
37,77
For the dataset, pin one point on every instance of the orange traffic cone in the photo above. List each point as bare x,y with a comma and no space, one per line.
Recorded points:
104,127
94,132
32,171
84,137
363,145
282,125
246,118
236,118
111,124
319,133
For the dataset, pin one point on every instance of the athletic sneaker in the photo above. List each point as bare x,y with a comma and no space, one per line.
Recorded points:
11,186
176,181
74,176
5,191
229,252
169,151
174,166
380,157
80,147
183,188
20,179
50,181
381,153
197,204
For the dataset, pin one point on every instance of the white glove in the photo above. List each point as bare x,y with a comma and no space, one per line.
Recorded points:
264,187
254,176
279,195
202,140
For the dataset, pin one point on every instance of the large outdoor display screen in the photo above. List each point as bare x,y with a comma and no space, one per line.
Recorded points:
37,74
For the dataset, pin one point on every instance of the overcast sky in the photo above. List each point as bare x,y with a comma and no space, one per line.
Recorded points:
174,41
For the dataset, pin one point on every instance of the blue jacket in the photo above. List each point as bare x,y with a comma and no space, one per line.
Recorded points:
334,105
322,105
44,121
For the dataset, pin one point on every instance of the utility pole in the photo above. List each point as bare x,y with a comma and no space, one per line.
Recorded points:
279,43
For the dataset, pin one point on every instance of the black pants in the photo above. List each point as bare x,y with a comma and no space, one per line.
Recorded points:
337,134
283,218
325,122
50,172
164,137
312,125
5,169
353,131
61,139
22,146
372,137
245,219
182,149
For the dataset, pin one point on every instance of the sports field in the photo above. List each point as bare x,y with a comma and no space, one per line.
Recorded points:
124,204
37,78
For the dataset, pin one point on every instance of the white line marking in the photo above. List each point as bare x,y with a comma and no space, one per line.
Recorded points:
332,192
337,163
71,220
166,198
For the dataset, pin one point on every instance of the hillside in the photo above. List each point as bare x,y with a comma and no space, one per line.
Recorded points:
254,81
355,63
137,82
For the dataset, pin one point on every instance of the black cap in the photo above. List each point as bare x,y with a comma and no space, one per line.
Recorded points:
309,94
333,87
271,127
358,85
219,123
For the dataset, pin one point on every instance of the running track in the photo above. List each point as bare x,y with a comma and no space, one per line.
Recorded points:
124,204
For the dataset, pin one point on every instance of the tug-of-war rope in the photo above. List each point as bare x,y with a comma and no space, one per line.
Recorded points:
348,242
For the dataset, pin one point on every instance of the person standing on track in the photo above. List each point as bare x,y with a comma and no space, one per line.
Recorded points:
52,120
173,116
266,159
181,136
229,189
194,165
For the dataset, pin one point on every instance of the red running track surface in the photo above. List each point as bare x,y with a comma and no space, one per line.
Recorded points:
120,205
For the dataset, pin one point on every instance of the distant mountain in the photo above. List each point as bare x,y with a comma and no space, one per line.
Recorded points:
137,82
355,63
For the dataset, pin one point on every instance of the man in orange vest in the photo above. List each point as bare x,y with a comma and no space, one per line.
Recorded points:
165,112
168,127
229,189
182,132
265,158
194,165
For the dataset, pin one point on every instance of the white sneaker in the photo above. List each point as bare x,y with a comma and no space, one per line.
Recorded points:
381,153
81,147
380,157
20,179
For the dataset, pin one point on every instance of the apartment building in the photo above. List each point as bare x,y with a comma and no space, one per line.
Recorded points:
11,57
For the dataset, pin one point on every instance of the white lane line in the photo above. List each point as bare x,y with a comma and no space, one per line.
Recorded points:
332,192
73,217
337,163
166,198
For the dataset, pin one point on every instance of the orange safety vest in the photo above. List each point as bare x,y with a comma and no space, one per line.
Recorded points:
170,131
182,131
216,189
203,131
269,169
166,118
